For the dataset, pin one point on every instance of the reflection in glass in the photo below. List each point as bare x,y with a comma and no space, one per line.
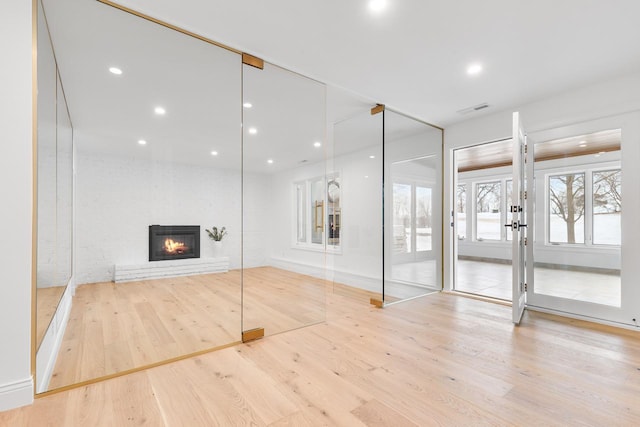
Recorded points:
54,196
334,212
317,207
413,159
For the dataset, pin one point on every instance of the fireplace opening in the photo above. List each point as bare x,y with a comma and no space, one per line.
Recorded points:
174,242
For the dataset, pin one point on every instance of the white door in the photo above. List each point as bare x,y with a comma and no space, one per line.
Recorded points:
518,226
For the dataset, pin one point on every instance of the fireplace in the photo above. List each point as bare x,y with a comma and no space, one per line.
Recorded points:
174,242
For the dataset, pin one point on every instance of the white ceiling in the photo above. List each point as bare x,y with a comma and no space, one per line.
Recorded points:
414,55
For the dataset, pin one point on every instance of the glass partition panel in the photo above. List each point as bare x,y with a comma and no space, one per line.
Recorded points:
286,207
157,138
356,265
50,284
64,189
413,201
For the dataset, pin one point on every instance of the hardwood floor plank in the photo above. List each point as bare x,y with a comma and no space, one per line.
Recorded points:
377,414
437,360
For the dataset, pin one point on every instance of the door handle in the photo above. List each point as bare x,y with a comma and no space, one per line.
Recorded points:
515,225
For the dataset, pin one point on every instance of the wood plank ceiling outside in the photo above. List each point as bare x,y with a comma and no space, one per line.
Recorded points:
497,154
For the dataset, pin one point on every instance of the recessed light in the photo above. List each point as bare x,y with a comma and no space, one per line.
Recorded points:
115,70
602,152
372,157
214,153
366,176
582,144
142,142
270,161
317,144
377,5
247,105
253,131
474,69
160,111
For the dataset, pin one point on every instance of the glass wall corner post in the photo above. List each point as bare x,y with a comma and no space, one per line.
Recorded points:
289,200
412,207
357,148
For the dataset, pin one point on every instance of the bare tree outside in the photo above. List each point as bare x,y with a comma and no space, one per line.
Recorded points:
607,207
566,194
488,197
461,198
607,191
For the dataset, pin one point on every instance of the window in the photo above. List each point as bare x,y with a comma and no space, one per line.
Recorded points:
301,211
423,219
607,207
317,212
566,208
461,211
488,211
402,218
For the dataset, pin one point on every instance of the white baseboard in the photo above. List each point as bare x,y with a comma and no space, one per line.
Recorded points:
585,318
52,340
170,268
16,394
348,278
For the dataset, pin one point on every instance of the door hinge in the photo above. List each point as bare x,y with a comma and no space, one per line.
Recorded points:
525,195
525,241
525,148
525,287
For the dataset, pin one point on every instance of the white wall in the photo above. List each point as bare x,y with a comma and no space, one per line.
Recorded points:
16,383
118,198
601,106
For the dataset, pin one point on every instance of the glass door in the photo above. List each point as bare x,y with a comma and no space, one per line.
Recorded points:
578,203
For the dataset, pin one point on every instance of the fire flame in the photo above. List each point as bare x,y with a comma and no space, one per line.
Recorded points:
173,247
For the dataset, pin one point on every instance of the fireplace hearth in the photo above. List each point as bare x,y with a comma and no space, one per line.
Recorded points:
174,242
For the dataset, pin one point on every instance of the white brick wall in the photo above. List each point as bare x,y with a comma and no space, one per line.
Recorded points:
118,198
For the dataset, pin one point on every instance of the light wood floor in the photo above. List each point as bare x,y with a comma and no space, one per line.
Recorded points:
437,360
115,327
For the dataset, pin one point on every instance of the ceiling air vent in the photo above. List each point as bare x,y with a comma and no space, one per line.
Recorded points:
474,108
